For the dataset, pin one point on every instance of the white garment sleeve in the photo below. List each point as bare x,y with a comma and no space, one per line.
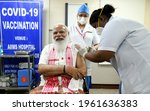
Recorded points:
45,54
44,59
113,35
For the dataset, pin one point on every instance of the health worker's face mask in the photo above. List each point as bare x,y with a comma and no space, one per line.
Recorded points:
82,20
99,30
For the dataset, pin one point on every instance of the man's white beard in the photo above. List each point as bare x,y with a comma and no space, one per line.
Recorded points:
61,44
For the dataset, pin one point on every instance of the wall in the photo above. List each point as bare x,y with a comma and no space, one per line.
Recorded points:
46,22
57,9
131,9
104,74
147,14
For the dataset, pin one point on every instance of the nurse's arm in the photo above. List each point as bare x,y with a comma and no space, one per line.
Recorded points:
99,55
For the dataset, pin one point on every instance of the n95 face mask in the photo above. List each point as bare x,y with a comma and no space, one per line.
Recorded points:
99,30
82,20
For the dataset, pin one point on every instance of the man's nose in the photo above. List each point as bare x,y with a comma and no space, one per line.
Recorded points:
58,34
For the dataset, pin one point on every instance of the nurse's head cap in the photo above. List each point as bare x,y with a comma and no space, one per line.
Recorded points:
83,9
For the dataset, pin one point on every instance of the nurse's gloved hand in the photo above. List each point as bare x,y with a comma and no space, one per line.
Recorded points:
78,47
83,51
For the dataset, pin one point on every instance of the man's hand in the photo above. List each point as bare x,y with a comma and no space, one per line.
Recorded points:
74,72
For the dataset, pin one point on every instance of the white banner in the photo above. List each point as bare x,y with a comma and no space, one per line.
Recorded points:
74,102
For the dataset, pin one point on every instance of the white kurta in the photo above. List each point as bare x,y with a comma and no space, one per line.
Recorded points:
131,43
45,56
87,37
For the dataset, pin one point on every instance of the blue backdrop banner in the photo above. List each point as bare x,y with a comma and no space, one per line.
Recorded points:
21,26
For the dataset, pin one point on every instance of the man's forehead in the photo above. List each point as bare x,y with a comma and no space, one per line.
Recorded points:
60,27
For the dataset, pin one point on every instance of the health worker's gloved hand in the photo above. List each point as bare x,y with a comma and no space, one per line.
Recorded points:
83,51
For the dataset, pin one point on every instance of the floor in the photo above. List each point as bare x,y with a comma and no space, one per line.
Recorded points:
104,91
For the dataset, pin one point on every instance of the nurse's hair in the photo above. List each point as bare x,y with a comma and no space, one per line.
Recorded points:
107,10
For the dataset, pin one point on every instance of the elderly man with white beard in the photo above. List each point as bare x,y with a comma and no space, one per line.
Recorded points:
61,67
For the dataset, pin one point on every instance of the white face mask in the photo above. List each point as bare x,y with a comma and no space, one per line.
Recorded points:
82,20
99,30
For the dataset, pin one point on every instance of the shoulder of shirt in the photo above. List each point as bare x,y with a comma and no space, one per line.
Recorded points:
72,26
48,46
89,27
117,19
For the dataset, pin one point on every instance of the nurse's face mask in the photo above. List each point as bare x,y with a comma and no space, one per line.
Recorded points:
99,30
82,18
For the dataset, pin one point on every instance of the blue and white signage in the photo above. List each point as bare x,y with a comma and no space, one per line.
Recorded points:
21,26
